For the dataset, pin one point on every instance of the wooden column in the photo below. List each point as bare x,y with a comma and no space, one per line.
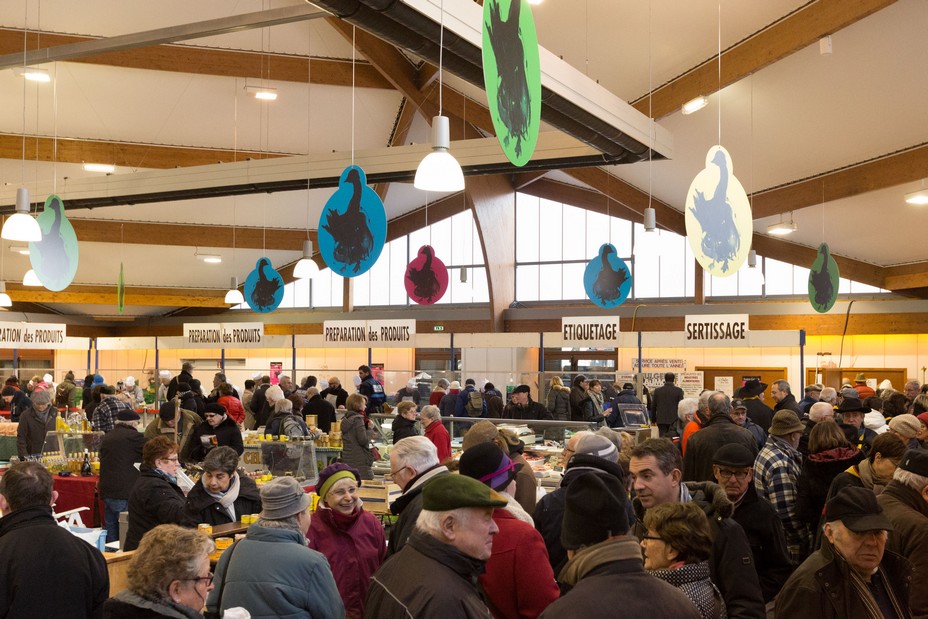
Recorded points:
494,204
347,295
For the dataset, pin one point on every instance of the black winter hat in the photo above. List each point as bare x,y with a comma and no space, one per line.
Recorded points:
733,454
594,511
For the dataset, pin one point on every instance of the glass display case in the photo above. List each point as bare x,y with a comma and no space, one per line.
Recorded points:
293,457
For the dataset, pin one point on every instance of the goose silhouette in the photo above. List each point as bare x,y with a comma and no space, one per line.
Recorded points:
512,96
425,283
720,239
54,265
609,281
350,230
265,289
821,280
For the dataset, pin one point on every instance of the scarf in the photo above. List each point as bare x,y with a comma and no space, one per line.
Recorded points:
227,499
516,510
597,401
862,589
167,476
587,559
336,519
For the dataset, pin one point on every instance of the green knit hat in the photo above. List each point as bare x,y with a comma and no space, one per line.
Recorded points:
331,474
446,492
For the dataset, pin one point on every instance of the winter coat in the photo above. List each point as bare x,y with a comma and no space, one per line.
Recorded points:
341,396
518,581
188,421
234,407
286,424
183,377
558,403
821,587
129,605
436,396
860,475
273,574
119,451
756,431
693,580
403,428
701,448
203,507
731,564
767,540
608,580
581,406
355,547
460,404
818,471
532,410
46,571
908,511
323,410
408,506
664,403
428,579
30,434
154,500
371,388
787,404
356,449
66,394
759,413
526,484
227,435
258,404
438,434
447,403
405,393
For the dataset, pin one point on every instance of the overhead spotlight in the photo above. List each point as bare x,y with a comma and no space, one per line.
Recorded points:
262,92
22,226
20,249
31,278
234,296
306,268
33,74
106,168
782,228
650,219
536,2
917,198
752,259
439,170
210,258
694,105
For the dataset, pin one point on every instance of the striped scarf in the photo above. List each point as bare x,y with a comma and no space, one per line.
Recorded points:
869,602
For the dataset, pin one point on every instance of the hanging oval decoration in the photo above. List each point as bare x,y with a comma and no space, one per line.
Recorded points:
426,277
607,279
512,76
718,216
121,291
352,226
823,281
54,258
264,287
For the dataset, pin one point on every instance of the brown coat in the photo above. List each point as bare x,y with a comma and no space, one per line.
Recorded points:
908,512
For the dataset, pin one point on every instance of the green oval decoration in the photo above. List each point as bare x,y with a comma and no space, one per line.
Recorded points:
121,291
512,76
823,281
54,258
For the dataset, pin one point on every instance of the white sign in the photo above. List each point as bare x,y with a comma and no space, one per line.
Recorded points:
223,334
716,329
590,331
725,384
370,333
670,364
32,335
691,383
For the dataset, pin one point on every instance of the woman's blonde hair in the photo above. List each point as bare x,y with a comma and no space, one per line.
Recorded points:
403,407
356,402
166,553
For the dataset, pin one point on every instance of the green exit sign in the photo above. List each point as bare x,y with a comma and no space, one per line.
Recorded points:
438,328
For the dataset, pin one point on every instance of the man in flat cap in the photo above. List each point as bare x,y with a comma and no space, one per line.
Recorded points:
852,575
435,573
905,501
813,394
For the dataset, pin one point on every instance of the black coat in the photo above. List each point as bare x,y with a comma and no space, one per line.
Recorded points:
128,605
46,571
403,428
183,377
759,413
340,395
787,404
154,500
227,435
767,540
31,432
19,404
408,506
532,410
664,404
818,471
323,410
258,404
701,447
120,450
204,508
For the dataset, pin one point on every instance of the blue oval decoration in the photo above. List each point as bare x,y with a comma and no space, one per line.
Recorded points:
264,287
352,226
607,279
54,258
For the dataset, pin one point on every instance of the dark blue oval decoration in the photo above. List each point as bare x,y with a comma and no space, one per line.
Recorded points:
352,226
607,279
264,287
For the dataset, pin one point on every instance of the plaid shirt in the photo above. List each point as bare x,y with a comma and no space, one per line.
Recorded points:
776,478
104,415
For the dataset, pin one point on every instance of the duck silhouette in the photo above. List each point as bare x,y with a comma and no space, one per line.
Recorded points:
720,239
350,230
265,289
53,262
425,282
512,97
821,281
609,281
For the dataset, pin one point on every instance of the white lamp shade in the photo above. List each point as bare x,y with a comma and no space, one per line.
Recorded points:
439,170
5,300
234,296
306,268
21,226
31,278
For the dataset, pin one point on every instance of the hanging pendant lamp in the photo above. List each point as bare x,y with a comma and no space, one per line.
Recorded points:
21,226
306,268
440,171
234,296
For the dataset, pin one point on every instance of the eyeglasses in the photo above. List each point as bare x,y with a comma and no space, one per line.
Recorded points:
208,579
398,471
174,459
652,538
728,473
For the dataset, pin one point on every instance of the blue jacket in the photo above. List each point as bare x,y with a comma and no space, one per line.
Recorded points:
463,397
273,574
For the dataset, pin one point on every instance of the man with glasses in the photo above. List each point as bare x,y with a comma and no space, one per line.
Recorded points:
733,467
720,430
413,463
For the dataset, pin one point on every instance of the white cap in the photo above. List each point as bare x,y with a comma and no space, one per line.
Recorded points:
164,374
412,383
236,613
322,385
48,378
357,381
255,376
130,381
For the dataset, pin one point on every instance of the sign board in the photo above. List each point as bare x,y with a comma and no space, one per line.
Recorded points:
691,383
33,335
370,333
223,334
590,331
669,364
716,330
725,384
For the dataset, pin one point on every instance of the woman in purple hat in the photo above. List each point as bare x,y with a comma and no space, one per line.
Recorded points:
349,537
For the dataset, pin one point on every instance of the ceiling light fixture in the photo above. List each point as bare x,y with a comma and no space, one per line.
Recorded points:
261,92
694,105
33,74
5,300
31,278
918,198
21,226
99,167
210,258
20,249
650,219
782,228
306,268
234,296
752,259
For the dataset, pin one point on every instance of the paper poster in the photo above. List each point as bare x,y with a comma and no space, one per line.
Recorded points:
54,258
426,277
512,76
718,216
725,384
276,369
607,279
352,226
823,281
691,383
264,287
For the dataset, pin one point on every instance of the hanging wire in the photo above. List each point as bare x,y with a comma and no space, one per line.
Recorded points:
720,72
309,124
25,49
441,49
353,48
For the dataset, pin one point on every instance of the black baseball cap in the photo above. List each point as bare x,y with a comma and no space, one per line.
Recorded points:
858,510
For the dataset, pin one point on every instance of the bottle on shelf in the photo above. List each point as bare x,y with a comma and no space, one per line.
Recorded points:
86,469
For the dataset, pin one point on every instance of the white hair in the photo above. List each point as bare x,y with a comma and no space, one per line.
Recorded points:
430,411
283,405
274,393
416,452
828,395
819,410
686,407
430,522
912,480
704,400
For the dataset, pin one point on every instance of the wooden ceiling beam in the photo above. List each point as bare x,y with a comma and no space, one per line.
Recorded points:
794,32
106,295
207,61
188,235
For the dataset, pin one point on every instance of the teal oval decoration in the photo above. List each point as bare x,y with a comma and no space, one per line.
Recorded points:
512,76
607,279
823,281
54,258
264,287
352,226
